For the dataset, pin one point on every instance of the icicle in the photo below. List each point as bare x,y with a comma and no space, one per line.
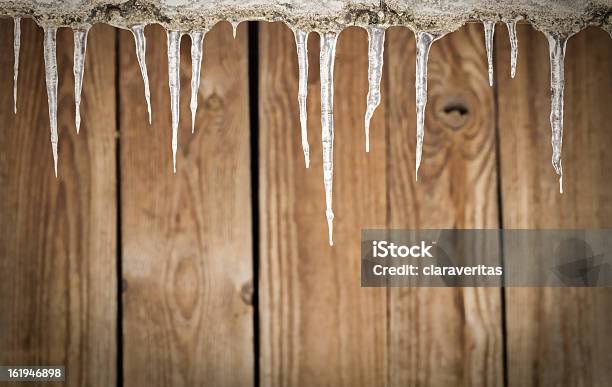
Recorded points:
513,46
174,81
489,27
16,47
557,43
141,48
234,24
376,46
423,42
80,47
197,38
301,42
327,56
51,80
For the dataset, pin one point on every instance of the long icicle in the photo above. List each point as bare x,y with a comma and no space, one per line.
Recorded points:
557,43
16,47
197,39
489,28
511,25
423,44
141,48
301,42
327,57
174,82
80,47
51,81
376,47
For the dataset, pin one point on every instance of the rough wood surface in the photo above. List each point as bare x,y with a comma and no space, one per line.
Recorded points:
443,337
557,337
187,247
58,285
318,327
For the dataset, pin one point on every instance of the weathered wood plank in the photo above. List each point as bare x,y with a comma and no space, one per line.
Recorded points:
443,337
187,243
317,326
58,284
557,337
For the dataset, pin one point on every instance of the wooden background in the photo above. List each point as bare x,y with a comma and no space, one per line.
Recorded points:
221,274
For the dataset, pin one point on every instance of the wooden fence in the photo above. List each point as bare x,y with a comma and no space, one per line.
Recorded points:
220,274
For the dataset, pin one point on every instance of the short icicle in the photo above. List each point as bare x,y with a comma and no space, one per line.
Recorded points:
489,28
234,24
141,48
51,81
174,82
327,56
197,38
511,25
16,47
80,47
301,41
557,43
376,46
424,41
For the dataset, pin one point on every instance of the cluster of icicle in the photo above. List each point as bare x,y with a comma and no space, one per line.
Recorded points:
376,37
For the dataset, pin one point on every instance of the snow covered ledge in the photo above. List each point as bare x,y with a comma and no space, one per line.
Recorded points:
429,19
319,15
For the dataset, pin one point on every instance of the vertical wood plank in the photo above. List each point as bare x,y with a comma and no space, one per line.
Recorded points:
557,337
443,337
187,244
58,241
318,327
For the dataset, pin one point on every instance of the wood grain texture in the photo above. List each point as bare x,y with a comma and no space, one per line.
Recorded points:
557,337
187,237
58,285
317,326
443,337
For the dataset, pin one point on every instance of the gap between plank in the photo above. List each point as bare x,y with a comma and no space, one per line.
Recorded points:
253,71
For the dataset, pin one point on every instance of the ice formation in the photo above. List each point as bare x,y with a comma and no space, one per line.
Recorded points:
51,81
489,28
16,47
197,39
301,42
304,17
327,57
80,47
141,48
557,43
174,82
424,41
234,24
376,47
511,25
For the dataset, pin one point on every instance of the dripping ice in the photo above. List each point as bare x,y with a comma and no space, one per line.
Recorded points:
197,39
557,43
301,39
174,60
511,25
16,47
141,48
80,47
489,28
376,46
327,56
423,44
51,81
234,24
